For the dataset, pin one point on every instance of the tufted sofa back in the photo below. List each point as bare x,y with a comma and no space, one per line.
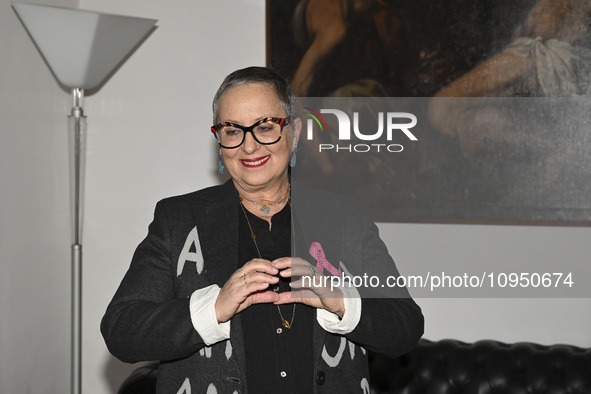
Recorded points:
489,367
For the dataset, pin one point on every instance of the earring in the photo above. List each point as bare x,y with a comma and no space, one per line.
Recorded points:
220,164
292,162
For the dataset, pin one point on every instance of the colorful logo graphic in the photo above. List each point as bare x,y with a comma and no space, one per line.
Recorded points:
315,115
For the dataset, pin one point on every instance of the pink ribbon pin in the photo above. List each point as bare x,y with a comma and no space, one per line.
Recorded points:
317,252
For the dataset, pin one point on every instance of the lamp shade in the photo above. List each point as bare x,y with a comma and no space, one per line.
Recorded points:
82,47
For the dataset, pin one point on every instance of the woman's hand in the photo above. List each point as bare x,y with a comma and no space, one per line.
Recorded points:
317,291
245,287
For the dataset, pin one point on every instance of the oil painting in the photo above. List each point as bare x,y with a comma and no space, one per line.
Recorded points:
500,90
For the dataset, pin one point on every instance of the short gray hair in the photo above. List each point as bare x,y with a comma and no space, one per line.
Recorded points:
254,74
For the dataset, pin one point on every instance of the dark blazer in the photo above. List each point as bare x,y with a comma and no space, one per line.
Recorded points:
192,243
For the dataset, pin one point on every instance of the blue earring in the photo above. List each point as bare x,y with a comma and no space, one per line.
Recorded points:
220,164
292,162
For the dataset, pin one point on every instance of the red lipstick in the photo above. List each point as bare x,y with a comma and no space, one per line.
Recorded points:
256,162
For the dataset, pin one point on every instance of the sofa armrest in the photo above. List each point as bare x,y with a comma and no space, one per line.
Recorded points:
141,381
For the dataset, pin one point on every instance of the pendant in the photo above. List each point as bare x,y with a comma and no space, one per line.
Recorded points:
265,210
286,324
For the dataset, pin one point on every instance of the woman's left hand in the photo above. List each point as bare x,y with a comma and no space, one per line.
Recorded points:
317,293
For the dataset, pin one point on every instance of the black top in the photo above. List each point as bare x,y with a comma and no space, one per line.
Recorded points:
278,359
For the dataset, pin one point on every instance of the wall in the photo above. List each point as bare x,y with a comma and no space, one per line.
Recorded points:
441,248
148,137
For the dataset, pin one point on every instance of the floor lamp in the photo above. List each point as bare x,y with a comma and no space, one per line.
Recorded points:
82,48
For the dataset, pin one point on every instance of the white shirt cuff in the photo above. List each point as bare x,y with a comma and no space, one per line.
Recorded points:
331,322
203,317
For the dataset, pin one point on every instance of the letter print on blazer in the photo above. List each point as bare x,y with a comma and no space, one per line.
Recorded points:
187,255
185,388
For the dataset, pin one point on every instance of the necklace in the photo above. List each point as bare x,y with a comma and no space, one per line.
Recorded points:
265,204
286,324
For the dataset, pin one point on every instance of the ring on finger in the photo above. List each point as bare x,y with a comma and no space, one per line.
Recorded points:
313,270
244,278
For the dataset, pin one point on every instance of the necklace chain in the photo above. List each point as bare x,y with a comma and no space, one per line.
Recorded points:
265,204
286,324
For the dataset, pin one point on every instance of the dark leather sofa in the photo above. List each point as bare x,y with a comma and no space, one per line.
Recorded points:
451,366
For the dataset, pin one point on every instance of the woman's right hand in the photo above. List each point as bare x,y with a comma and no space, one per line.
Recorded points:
245,287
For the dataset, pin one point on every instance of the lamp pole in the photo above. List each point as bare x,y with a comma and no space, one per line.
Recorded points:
77,122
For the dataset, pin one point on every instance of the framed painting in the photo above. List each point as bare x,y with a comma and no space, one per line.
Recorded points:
495,95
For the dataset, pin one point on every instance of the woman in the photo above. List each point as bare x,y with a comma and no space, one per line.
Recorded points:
207,292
